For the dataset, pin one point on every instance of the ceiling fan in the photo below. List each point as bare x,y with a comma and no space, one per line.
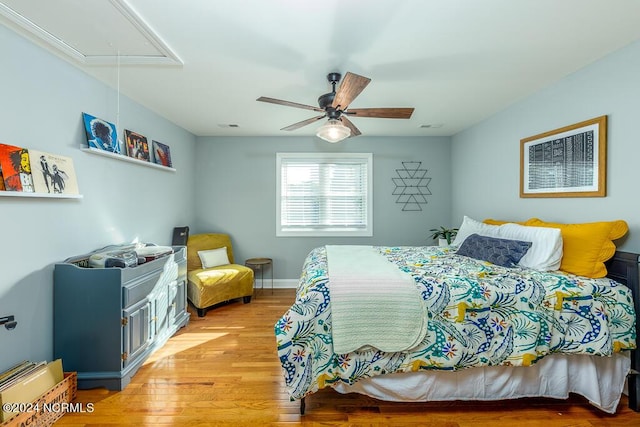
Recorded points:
335,106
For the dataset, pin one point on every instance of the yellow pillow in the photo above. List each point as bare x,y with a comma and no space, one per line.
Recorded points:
586,246
491,221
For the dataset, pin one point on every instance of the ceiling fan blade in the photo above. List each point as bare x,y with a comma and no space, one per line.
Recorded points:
348,123
304,123
288,103
351,86
385,113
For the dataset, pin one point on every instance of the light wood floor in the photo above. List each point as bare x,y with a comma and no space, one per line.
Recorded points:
223,370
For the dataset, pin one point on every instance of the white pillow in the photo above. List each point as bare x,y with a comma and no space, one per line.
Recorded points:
214,257
544,254
471,226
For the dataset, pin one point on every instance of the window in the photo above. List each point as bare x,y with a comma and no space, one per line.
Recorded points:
324,194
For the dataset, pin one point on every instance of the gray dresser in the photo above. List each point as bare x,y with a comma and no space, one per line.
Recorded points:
108,321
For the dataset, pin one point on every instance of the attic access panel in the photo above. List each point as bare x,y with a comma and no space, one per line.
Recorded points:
91,32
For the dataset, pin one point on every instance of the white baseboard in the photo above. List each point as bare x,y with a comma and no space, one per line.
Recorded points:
277,283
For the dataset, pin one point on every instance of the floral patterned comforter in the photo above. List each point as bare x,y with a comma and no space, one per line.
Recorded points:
479,314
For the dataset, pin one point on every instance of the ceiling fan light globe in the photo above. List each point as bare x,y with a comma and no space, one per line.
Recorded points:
333,131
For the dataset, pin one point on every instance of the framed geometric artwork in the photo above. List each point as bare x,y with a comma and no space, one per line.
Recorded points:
565,162
101,134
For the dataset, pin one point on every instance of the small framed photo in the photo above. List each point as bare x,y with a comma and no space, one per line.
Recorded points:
53,173
566,162
161,154
137,145
15,169
101,134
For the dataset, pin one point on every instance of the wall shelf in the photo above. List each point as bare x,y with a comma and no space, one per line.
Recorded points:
126,158
39,195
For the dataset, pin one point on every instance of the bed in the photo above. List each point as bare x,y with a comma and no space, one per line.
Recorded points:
488,332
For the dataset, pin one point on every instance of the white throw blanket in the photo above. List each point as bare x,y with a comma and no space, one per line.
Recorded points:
373,302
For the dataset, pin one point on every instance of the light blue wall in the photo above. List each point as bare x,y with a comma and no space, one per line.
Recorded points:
486,157
236,194
41,102
228,184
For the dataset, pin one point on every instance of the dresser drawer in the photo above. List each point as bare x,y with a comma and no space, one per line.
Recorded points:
138,290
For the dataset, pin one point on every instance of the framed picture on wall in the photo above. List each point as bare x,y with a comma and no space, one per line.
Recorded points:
162,154
53,173
100,134
137,145
566,162
16,169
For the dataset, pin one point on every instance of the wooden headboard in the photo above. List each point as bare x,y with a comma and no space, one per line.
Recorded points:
623,268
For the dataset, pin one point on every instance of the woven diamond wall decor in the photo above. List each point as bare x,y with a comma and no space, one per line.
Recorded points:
412,186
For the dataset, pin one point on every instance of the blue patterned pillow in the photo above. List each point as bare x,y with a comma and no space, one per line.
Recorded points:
504,252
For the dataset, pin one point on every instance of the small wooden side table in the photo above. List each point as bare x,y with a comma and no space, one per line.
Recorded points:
259,264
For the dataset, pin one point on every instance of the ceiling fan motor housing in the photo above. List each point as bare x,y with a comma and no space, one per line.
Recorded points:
324,101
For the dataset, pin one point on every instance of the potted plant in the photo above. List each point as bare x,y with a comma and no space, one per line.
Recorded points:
444,235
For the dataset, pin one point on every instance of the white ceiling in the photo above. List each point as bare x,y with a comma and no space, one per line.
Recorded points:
203,63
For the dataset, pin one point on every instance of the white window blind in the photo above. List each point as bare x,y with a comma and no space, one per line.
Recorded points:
324,194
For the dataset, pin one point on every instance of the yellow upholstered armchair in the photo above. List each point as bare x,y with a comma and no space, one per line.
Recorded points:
212,277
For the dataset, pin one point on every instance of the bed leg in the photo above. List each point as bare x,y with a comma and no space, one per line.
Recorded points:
303,405
633,381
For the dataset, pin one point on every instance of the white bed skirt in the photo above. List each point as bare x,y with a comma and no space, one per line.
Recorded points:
599,379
